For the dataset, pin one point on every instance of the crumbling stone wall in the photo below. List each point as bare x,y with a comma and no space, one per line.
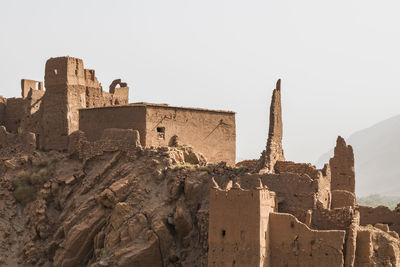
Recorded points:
125,140
30,87
16,110
120,93
299,168
273,151
381,214
329,219
17,114
322,177
376,248
292,243
296,194
245,242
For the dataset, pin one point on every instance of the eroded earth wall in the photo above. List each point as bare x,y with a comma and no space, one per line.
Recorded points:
292,243
274,150
245,242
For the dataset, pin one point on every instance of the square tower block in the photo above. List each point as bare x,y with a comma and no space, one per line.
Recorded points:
238,227
64,71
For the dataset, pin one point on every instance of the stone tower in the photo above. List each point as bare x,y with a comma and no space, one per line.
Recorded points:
343,183
65,94
70,87
246,241
274,150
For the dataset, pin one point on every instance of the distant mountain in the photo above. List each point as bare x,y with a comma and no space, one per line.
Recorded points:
377,158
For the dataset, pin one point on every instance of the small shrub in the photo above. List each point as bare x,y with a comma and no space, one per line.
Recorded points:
28,183
22,178
25,193
39,178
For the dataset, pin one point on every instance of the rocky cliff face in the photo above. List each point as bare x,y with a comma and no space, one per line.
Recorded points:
148,208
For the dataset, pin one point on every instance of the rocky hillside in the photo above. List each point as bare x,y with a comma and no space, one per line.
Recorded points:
147,208
376,151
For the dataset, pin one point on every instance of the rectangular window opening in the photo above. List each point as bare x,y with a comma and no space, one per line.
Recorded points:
161,132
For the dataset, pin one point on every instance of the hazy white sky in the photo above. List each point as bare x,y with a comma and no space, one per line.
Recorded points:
339,60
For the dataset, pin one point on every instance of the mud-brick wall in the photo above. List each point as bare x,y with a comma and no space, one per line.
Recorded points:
54,123
381,214
238,227
325,219
94,121
212,133
16,110
292,243
292,190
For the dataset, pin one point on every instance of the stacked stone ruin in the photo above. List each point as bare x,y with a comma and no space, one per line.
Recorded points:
293,214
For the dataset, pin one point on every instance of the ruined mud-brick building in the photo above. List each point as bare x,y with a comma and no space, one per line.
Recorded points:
73,99
119,176
292,214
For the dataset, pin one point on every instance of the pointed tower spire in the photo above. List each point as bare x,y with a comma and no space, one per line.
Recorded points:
274,150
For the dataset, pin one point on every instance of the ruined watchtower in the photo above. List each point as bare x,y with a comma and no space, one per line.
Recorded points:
70,87
273,151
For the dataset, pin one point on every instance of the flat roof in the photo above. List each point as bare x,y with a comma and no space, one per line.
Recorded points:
145,104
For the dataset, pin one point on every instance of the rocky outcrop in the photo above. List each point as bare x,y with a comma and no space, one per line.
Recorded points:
128,207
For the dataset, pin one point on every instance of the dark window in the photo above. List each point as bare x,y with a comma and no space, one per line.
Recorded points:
161,132
223,233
